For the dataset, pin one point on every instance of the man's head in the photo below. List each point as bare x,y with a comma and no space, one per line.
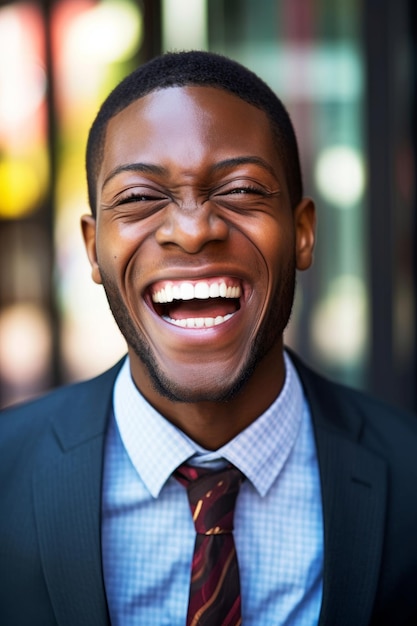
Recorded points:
205,69
198,231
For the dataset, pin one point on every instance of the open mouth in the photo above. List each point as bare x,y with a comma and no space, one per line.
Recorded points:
196,304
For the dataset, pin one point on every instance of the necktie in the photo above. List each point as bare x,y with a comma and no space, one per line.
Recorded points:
215,587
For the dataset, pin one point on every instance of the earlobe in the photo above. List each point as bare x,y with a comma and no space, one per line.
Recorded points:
88,226
305,227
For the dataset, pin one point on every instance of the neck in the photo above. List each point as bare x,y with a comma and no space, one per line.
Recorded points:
213,424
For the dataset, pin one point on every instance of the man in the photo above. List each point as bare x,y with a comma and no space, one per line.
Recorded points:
198,226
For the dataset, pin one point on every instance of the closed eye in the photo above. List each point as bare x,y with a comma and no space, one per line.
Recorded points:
140,197
244,190
137,203
243,196
244,186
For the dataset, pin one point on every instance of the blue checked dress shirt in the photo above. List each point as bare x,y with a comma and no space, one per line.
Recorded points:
148,534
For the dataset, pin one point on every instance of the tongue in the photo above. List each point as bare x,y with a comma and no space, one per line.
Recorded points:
200,308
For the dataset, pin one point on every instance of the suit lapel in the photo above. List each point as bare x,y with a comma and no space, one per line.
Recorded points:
67,504
354,483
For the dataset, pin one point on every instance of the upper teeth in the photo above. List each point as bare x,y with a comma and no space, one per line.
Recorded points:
201,291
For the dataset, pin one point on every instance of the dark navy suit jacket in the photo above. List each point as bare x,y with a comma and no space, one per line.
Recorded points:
51,461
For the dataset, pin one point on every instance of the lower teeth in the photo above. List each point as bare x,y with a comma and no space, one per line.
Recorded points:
198,322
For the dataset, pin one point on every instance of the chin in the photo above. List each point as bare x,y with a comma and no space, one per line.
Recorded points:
204,387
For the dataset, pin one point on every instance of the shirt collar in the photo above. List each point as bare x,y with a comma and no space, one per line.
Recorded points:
156,447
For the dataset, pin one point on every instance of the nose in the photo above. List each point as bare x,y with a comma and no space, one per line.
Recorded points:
191,227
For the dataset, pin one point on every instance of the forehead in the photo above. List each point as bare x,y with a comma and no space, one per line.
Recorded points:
191,124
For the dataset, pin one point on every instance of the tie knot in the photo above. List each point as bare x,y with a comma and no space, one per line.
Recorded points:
212,497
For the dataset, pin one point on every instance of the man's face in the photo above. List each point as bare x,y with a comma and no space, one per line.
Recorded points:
195,241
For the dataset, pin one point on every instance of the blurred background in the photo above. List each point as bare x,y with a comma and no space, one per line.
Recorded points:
347,72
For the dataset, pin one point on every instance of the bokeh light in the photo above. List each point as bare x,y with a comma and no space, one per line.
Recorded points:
23,158
22,75
22,182
184,25
340,175
110,31
339,321
25,350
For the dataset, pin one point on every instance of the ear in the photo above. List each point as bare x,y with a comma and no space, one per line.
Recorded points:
305,232
88,226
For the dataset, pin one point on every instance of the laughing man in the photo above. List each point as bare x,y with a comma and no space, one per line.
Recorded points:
198,225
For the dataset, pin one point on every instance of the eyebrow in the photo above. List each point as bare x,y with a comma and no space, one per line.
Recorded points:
144,168
244,160
150,168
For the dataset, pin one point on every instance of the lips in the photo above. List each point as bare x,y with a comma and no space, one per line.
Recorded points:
196,304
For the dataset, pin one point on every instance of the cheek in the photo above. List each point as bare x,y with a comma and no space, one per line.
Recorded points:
275,243
117,246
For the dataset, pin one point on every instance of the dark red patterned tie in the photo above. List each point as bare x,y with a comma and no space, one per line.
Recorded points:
215,586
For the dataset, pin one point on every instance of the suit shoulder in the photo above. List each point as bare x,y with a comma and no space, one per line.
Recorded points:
34,415
383,428
373,410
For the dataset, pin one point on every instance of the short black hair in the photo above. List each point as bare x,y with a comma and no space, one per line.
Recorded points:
179,69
